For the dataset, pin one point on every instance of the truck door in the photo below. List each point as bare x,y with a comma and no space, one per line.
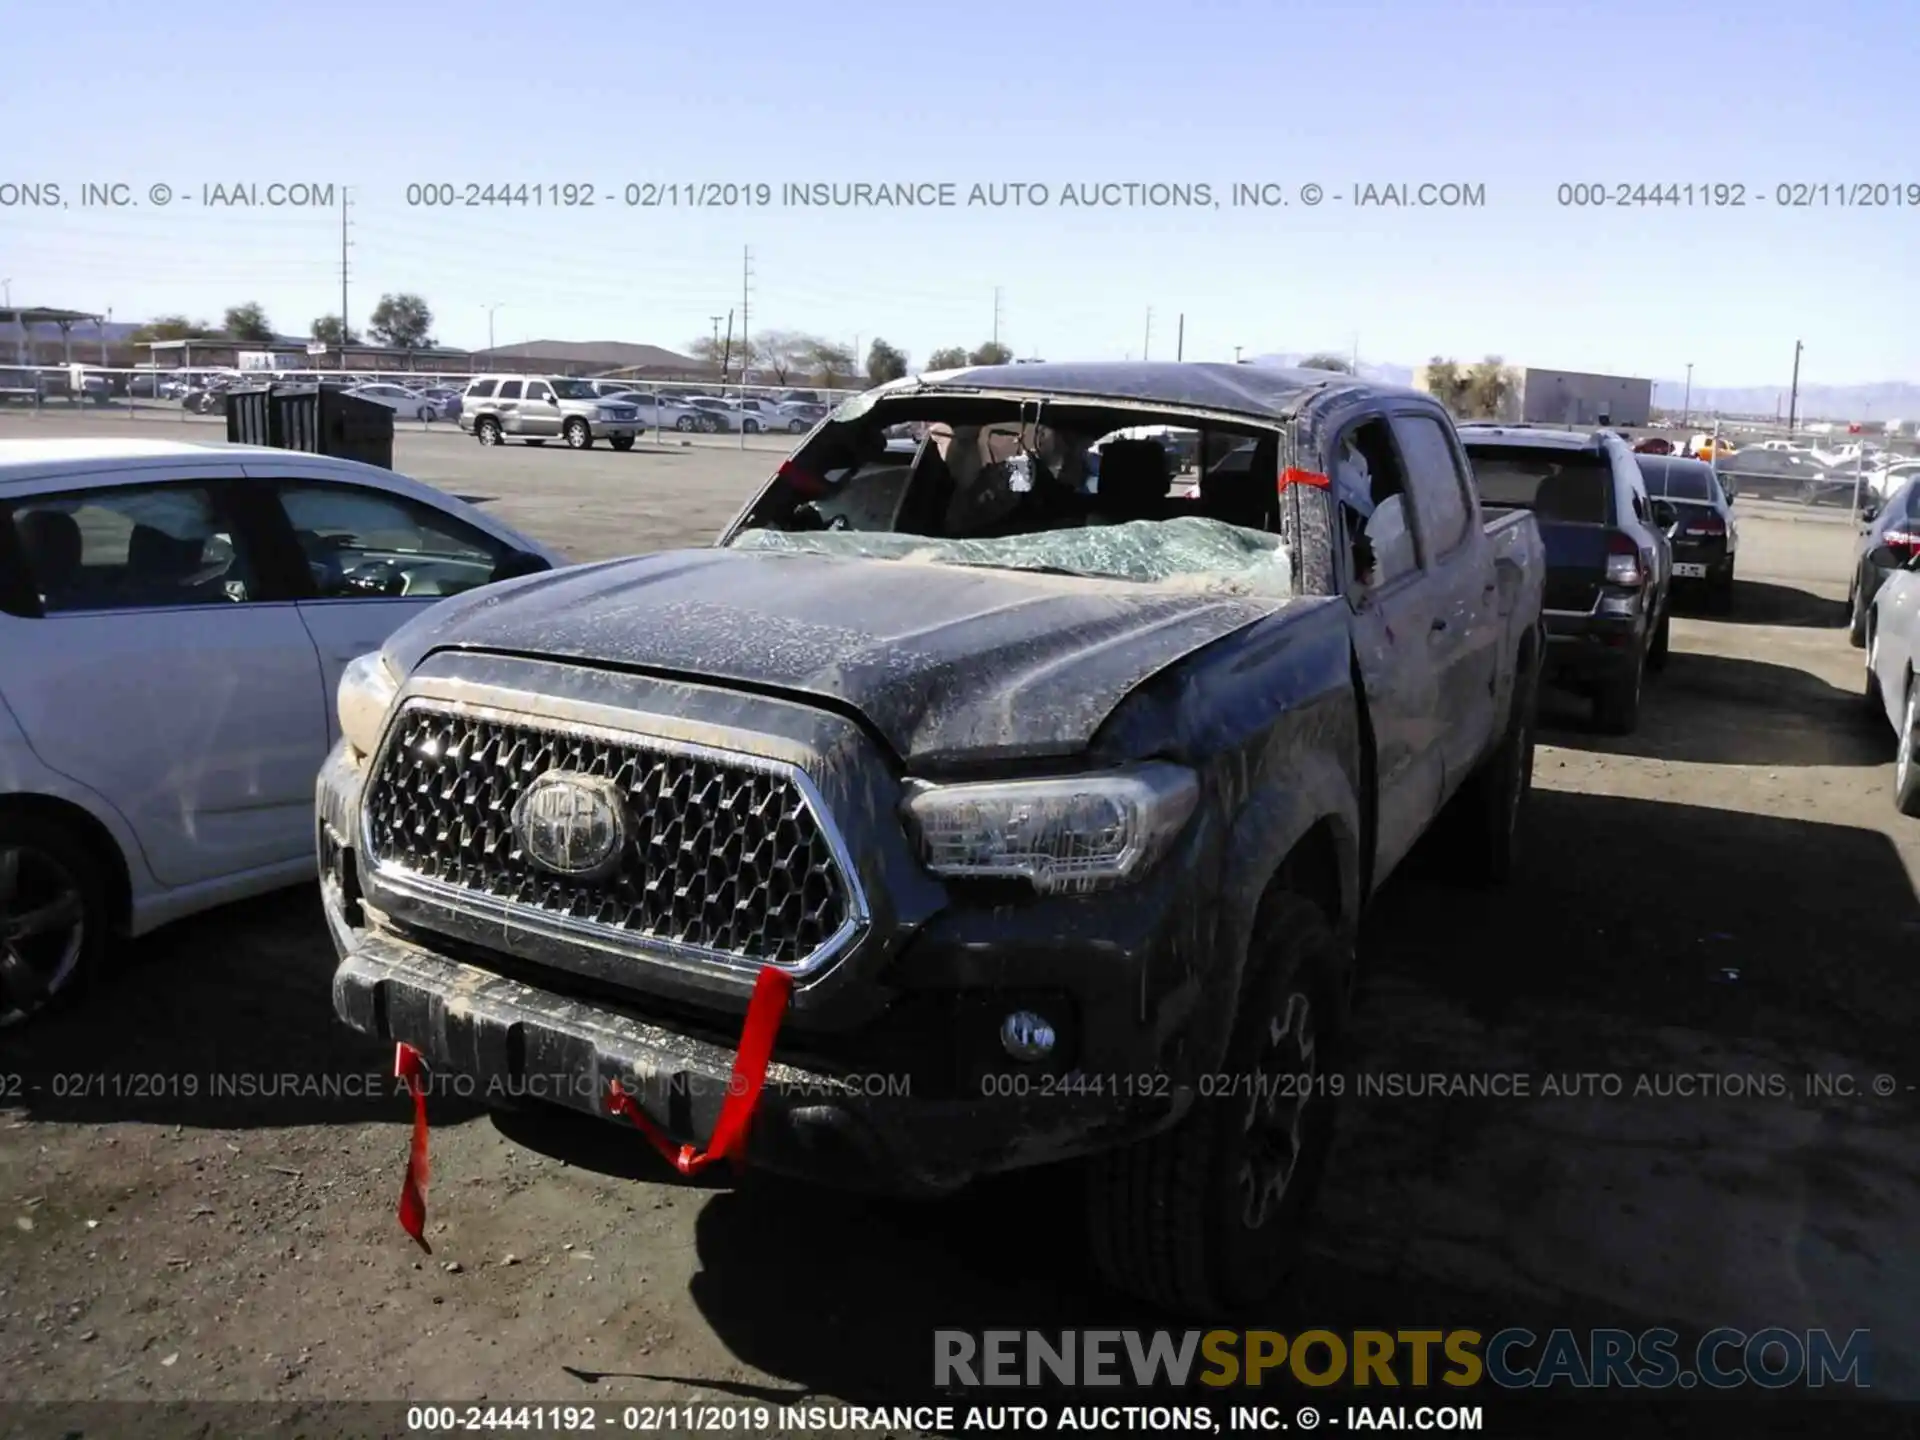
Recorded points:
1394,615
1464,633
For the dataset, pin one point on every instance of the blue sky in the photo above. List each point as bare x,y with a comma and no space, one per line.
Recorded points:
1518,97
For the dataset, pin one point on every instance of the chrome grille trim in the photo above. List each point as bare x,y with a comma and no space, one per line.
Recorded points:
468,901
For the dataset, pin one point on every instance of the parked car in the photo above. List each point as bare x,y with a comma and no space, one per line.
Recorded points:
1889,538
1033,786
1609,562
446,401
725,413
1893,661
1705,537
538,408
166,675
659,413
412,404
1705,447
758,416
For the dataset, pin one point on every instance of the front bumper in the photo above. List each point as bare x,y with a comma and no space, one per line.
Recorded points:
889,1073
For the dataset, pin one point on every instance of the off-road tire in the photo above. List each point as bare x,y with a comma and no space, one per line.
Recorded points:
487,431
1166,1217
1616,705
47,842
621,442
1490,807
578,434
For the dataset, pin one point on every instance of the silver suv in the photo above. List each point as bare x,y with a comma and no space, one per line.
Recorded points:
539,408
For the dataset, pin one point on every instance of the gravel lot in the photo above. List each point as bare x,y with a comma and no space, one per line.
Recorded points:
1727,893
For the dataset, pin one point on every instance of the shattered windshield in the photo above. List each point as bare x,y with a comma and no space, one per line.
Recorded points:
1079,491
1210,554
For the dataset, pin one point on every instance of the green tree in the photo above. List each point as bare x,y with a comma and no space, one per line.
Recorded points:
1487,387
326,330
248,322
1325,361
1446,384
175,327
951,358
885,363
403,321
991,353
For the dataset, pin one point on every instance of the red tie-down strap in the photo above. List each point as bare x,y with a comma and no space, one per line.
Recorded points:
410,1068
728,1141
1291,477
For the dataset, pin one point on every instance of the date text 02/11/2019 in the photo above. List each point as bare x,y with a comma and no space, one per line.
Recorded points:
1734,195
941,195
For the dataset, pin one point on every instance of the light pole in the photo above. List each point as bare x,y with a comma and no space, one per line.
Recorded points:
1686,405
497,305
1236,354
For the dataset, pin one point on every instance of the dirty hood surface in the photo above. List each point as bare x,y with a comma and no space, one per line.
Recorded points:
947,662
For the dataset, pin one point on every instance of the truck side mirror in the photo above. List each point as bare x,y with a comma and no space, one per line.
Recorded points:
1869,513
516,563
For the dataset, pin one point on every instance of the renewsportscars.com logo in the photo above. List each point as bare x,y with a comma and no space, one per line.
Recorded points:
1511,1359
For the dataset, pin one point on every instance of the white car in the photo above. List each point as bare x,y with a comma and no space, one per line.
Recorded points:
660,413
725,413
400,400
174,621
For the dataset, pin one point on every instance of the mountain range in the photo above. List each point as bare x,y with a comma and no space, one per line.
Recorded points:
1882,400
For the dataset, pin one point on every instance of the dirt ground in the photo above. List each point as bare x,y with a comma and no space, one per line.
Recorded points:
1726,895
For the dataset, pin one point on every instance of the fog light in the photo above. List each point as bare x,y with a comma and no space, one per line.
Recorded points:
1026,1036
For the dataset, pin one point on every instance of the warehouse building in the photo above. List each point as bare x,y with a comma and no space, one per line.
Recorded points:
1570,397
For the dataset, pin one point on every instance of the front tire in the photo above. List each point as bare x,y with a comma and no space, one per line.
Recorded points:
1205,1218
1906,767
424,414
1857,605
487,431
797,427
621,442
54,917
686,423
577,435
750,427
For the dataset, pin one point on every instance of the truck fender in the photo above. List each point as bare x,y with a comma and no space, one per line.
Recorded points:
1307,811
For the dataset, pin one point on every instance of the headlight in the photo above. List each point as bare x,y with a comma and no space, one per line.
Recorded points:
367,688
603,412
1063,836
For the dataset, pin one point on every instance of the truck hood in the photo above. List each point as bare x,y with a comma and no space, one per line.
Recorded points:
946,662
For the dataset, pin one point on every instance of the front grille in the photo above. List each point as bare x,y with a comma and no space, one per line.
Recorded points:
724,855
621,412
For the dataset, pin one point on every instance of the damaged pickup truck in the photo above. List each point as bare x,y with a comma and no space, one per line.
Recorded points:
1056,800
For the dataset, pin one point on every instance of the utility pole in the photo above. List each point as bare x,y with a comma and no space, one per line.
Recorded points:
497,305
746,350
726,353
1236,354
716,331
1180,339
1686,405
1146,345
1793,396
344,243
996,315
1356,352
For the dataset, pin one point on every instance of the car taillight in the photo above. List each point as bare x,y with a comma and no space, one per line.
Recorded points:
1902,542
1623,561
1712,525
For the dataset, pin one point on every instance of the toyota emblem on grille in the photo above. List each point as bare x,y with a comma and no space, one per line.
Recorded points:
572,825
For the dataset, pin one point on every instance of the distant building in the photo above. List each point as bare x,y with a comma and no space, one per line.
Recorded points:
1572,397
594,357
